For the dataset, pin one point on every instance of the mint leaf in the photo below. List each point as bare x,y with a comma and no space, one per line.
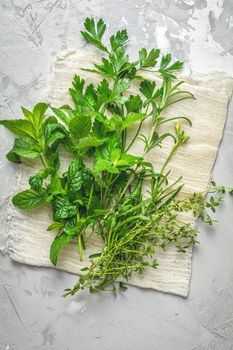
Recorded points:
80,126
20,127
38,115
64,209
59,243
65,118
29,199
23,148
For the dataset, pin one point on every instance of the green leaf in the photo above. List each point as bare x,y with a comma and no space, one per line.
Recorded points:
65,118
106,67
55,226
119,39
127,161
20,127
56,185
90,141
134,104
53,131
27,114
94,32
23,149
59,243
38,115
150,59
36,181
75,175
166,59
147,88
111,145
105,165
29,199
130,119
104,91
96,255
80,126
12,157
64,209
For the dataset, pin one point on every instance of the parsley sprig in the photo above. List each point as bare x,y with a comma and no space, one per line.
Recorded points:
106,199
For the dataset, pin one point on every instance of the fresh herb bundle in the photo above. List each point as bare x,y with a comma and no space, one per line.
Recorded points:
107,197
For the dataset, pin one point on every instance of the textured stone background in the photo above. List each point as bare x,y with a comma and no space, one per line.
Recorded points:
32,313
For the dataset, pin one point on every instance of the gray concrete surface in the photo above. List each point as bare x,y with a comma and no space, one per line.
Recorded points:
32,313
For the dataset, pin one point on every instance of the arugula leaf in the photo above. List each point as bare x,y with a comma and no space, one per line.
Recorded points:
29,199
59,243
95,32
20,127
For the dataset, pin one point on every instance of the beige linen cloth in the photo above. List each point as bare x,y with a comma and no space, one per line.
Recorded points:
27,239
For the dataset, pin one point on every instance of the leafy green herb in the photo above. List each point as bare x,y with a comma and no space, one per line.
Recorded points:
102,189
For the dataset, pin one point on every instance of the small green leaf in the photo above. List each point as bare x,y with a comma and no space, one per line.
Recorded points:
94,32
65,118
147,88
90,141
36,181
150,59
130,119
24,149
59,243
80,126
29,199
20,127
55,226
134,104
56,185
105,165
119,39
27,114
63,209
38,115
